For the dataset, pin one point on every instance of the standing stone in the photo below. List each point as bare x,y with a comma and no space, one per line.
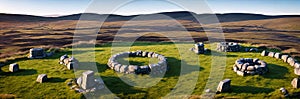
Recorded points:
297,71
284,57
123,69
14,67
296,83
277,55
72,65
297,65
37,53
291,61
42,78
224,85
264,53
199,48
88,80
271,54
145,54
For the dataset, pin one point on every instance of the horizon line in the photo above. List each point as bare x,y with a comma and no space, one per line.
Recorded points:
58,15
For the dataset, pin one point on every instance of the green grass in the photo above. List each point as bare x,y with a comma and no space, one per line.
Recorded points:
23,85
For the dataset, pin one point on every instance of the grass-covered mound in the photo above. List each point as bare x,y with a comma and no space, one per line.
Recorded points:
22,84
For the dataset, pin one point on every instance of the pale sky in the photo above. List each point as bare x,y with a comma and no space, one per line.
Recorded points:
67,7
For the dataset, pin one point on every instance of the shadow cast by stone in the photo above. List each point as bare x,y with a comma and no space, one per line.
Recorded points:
117,86
56,80
174,66
91,66
276,72
250,89
21,72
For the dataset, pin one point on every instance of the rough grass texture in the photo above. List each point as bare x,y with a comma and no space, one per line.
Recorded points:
22,84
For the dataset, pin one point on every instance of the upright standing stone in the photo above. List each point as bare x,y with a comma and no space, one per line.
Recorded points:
88,80
284,57
297,71
296,83
277,55
72,65
291,61
42,78
14,67
271,54
37,53
224,85
199,48
264,53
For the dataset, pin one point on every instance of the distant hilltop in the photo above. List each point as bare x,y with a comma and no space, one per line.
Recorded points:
180,15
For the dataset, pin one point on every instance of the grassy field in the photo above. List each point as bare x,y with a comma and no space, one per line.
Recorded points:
23,85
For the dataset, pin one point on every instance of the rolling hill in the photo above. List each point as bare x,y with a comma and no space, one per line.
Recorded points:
180,15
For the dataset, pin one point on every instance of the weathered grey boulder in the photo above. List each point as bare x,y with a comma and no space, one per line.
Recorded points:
224,86
285,57
42,78
264,53
277,55
296,83
88,80
14,67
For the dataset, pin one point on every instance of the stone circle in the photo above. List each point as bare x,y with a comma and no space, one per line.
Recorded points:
228,47
249,66
158,68
69,62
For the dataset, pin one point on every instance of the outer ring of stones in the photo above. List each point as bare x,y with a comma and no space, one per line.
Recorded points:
158,68
249,66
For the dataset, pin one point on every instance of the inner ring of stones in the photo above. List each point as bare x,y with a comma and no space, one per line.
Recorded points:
249,66
157,68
